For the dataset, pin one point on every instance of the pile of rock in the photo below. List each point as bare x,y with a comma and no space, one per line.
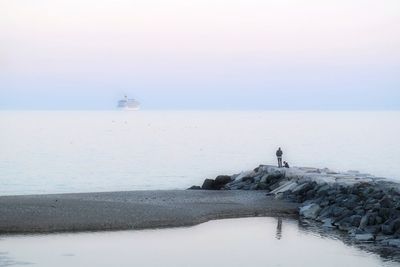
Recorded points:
366,207
214,184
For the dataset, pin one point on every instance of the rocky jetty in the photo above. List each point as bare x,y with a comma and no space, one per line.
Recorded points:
364,206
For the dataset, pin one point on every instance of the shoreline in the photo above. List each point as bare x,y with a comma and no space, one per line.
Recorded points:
133,210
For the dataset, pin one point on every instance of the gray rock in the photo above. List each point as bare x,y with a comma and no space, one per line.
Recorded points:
288,186
344,216
390,226
339,211
359,211
324,202
240,186
378,194
248,179
276,175
372,218
310,211
194,187
387,229
384,213
355,220
241,175
364,221
310,194
364,237
257,178
391,242
208,184
372,206
327,223
344,225
380,237
350,202
326,212
263,179
396,225
355,231
262,186
246,186
232,187
254,186
274,186
372,229
222,180
302,188
322,190
378,220
386,202
279,196
332,192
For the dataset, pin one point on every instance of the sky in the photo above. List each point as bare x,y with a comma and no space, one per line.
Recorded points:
200,54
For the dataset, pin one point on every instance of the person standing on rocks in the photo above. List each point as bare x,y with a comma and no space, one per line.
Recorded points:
279,154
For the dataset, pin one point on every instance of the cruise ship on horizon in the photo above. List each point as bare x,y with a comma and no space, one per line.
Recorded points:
128,104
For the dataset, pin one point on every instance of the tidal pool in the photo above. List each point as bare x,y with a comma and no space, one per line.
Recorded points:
232,242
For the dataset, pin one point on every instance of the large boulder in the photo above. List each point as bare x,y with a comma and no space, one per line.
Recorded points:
386,202
310,211
364,221
396,225
302,188
275,176
387,229
263,178
325,213
221,180
208,184
245,174
322,190
248,179
390,226
355,220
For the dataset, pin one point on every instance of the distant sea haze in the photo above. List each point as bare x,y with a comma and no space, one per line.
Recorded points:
87,151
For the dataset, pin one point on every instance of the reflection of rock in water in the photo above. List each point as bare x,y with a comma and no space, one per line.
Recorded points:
5,260
310,226
278,234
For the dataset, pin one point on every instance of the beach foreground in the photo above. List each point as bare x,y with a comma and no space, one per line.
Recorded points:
133,210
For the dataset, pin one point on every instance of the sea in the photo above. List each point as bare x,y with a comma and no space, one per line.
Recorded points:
45,152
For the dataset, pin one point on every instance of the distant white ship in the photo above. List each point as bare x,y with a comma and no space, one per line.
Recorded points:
128,104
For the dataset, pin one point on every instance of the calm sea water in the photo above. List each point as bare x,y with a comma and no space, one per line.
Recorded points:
235,242
80,151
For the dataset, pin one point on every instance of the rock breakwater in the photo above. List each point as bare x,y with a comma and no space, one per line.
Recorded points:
364,206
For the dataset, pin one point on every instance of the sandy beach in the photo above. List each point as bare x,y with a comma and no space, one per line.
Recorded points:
132,210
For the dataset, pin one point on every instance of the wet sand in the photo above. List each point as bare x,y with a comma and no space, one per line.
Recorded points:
133,210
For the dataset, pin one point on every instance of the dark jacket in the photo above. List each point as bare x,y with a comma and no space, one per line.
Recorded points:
279,153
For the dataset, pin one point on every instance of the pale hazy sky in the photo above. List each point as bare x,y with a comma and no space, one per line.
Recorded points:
200,54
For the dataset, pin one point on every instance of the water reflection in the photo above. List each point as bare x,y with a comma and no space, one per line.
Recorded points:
6,260
278,234
315,228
